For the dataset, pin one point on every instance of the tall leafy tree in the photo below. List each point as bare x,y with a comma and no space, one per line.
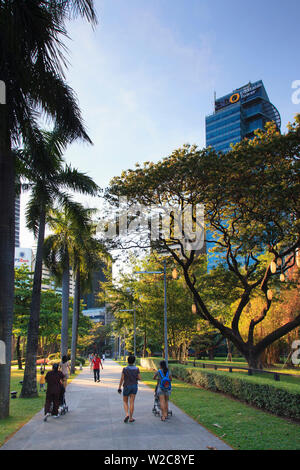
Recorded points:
31,67
251,205
23,292
145,294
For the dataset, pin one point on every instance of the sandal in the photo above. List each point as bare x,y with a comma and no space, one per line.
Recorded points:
131,420
126,419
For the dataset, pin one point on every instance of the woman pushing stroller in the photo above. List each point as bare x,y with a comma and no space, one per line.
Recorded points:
54,380
163,388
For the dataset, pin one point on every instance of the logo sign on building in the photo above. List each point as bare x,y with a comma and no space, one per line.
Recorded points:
23,257
241,95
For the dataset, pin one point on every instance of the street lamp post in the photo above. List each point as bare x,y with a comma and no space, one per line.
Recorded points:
165,313
124,351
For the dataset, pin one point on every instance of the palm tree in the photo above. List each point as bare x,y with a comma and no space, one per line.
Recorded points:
48,178
57,255
88,255
31,67
72,244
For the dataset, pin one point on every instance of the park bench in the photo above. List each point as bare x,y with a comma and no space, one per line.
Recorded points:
13,394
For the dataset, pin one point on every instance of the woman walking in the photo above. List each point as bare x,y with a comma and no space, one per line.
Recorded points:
65,368
129,380
163,388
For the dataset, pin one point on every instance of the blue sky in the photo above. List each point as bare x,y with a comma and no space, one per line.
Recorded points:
145,77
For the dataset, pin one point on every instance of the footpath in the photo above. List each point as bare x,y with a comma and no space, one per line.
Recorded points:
95,422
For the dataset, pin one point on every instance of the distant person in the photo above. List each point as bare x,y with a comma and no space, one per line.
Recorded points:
42,381
54,379
103,357
96,367
91,357
66,370
163,389
129,380
43,366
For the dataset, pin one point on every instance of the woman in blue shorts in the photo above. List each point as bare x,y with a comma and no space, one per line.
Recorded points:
163,393
129,380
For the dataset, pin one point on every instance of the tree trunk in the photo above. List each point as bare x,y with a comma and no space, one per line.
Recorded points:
23,346
29,387
18,351
145,343
229,352
7,256
65,305
211,354
13,346
253,359
76,310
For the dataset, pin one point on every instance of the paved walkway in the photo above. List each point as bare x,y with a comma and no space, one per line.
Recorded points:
95,422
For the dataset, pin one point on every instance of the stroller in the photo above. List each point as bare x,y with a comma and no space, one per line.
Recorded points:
63,408
156,405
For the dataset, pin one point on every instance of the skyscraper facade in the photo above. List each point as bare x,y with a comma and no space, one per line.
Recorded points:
17,221
238,114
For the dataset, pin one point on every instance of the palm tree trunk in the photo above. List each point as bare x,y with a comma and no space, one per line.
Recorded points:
65,305
76,309
29,387
7,255
18,351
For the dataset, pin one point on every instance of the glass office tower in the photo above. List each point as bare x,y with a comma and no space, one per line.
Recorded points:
238,114
17,221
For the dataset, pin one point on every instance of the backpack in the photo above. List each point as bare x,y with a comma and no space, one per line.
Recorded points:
165,382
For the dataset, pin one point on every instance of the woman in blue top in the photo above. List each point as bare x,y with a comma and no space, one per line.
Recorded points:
163,392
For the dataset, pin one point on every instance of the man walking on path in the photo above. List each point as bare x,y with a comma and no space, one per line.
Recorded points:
129,380
96,367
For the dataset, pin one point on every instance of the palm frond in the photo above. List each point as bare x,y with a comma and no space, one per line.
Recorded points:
77,181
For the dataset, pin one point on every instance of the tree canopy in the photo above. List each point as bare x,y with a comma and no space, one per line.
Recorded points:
251,200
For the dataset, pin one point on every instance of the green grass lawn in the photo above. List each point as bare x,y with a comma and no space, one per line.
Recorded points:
21,409
241,426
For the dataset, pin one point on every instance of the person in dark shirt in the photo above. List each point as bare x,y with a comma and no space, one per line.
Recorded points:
129,380
54,380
